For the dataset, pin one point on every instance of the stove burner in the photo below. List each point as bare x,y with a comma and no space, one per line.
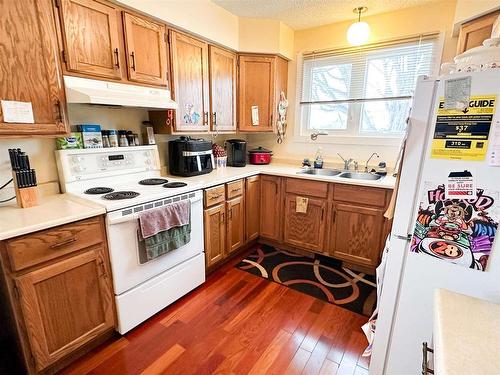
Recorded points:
98,190
153,181
175,185
117,195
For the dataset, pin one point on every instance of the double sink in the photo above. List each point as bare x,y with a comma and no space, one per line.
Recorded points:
336,172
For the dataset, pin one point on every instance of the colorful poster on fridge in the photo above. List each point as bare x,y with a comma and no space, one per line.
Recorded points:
459,231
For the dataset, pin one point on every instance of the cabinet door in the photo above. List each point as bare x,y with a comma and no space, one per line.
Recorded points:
235,224
473,33
29,68
256,90
222,89
305,229
271,207
215,234
356,234
252,208
146,47
91,38
189,59
66,304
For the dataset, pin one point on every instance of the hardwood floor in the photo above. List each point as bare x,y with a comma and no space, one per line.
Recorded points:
237,323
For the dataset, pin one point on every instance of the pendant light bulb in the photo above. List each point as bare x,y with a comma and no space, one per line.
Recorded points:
359,32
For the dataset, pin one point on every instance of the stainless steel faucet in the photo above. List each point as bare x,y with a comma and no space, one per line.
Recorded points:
347,162
314,136
370,158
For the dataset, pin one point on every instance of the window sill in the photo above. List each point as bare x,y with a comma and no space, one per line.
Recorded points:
350,140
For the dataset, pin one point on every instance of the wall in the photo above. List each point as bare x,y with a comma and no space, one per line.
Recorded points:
411,21
266,36
201,17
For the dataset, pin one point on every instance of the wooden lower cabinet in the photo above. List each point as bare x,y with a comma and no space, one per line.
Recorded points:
271,207
252,208
235,229
215,234
305,230
64,304
357,233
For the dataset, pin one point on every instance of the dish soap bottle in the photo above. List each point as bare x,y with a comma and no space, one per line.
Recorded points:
318,160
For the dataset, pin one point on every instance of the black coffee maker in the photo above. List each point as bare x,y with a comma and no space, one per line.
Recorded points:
236,152
190,157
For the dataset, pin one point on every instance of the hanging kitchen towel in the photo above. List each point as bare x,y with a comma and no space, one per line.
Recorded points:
163,218
165,229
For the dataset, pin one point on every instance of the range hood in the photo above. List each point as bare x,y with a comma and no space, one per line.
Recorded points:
91,91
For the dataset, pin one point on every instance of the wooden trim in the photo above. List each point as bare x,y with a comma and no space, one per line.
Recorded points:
485,21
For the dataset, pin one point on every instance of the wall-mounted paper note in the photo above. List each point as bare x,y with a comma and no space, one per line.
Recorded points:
17,112
255,115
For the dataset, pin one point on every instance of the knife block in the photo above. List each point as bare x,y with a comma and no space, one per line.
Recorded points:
26,197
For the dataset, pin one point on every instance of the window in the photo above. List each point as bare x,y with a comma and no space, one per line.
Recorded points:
365,91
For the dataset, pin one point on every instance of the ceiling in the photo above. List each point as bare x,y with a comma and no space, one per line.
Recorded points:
302,14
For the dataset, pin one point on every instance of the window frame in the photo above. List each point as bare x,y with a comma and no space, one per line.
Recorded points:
353,135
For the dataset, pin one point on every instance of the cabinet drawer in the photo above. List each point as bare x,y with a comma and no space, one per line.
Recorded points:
359,194
35,248
234,189
214,195
307,187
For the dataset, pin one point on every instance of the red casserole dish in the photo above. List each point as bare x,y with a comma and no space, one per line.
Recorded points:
259,155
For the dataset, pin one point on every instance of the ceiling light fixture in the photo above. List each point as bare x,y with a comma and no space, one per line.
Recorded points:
359,32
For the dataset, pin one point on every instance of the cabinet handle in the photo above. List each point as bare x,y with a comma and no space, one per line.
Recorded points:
205,118
133,61
425,350
322,214
235,190
230,214
215,118
117,65
272,119
334,216
275,188
215,196
222,218
66,242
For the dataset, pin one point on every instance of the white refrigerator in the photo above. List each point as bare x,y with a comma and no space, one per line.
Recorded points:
437,242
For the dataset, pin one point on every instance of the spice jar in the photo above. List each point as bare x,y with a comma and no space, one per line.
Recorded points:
130,138
113,138
122,138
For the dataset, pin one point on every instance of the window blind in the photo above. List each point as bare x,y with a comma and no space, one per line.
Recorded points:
375,72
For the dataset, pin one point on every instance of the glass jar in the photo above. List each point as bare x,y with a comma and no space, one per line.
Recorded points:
122,139
105,139
130,138
113,138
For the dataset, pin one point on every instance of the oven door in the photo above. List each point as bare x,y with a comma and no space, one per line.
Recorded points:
124,243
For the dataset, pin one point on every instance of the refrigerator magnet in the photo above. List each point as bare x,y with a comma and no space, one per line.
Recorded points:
460,185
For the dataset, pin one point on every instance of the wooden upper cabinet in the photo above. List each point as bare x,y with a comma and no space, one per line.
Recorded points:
305,230
30,70
256,90
222,89
473,33
261,80
145,43
66,305
189,62
357,233
271,207
91,37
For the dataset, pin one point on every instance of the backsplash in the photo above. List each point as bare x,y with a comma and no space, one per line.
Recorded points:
41,150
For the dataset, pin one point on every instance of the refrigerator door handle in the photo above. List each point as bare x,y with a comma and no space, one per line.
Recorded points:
405,238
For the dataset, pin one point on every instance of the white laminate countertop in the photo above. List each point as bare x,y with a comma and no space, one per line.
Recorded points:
466,335
53,210
220,176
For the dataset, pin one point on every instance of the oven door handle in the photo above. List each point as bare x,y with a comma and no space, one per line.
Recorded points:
111,219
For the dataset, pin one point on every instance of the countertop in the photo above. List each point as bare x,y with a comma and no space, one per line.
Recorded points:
220,176
466,335
58,209
54,210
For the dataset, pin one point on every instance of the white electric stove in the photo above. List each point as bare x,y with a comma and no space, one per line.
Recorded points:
127,181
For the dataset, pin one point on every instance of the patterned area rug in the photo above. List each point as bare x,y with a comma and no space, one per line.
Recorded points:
320,277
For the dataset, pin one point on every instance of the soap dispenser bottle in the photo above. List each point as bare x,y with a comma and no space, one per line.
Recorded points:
318,160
